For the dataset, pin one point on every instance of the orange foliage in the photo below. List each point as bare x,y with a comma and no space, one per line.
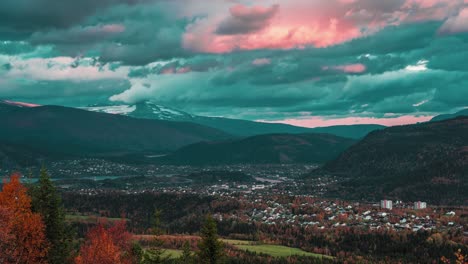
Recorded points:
459,258
22,237
106,246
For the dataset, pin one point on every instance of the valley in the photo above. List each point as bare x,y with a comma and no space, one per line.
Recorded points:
302,196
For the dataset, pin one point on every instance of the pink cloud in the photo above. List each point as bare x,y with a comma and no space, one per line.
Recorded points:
172,70
292,26
169,70
304,23
349,68
184,70
456,24
322,122
22,104
261,62
244,20
112,28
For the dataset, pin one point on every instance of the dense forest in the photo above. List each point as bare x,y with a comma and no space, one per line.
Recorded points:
141,228
427,161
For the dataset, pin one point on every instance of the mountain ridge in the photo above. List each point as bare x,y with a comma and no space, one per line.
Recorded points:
71,131
237,127
426,161
442,117
262,149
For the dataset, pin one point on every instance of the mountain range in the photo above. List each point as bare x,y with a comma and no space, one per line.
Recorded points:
263,149
236,127
56,132
463,112
427,161
65,131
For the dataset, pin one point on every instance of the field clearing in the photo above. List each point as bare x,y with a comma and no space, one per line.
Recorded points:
172,253
271,250
91,218
235,242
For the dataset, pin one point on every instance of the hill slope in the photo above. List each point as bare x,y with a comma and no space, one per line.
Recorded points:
427,161
263,149
70,131
463,112
238,127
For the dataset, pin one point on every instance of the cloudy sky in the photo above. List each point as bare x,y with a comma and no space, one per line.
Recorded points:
305,62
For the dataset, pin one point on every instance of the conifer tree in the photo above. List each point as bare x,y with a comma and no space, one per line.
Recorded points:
211,249
47,202
186,257
155,254
156,223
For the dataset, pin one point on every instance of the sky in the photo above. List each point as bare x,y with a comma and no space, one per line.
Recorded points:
302,62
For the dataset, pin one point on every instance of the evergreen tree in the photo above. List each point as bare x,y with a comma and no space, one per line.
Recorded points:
137,253
156,223
186,257
47,202
211,249
156,253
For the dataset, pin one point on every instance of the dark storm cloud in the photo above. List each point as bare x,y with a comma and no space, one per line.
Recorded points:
134,34
243,20
78,52
36,15
414,76
72,93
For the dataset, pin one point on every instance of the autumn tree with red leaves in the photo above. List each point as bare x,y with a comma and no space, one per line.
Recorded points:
106,246
22,237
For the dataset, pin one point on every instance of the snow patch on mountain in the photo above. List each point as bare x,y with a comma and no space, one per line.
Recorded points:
146,109
112,109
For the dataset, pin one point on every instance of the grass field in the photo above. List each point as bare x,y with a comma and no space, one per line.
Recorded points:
272,250
172,253
90,218
235,242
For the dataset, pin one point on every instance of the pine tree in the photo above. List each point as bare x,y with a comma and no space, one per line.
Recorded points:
186,257
155,254
47,202
211,249
156,223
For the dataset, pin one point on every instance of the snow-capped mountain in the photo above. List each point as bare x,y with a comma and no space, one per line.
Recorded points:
236,127
145,109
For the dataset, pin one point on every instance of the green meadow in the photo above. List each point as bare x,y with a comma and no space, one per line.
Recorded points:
271,250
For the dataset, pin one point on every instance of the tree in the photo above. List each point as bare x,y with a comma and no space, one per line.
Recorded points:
156,224
186,257
155,254
211,249
22,239
47,202
106,246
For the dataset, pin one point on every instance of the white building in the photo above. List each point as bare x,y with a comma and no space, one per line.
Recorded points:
419,205
386,204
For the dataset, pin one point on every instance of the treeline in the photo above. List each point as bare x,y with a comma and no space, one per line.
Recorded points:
32,221
34,231
180,213
349,243
183,214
